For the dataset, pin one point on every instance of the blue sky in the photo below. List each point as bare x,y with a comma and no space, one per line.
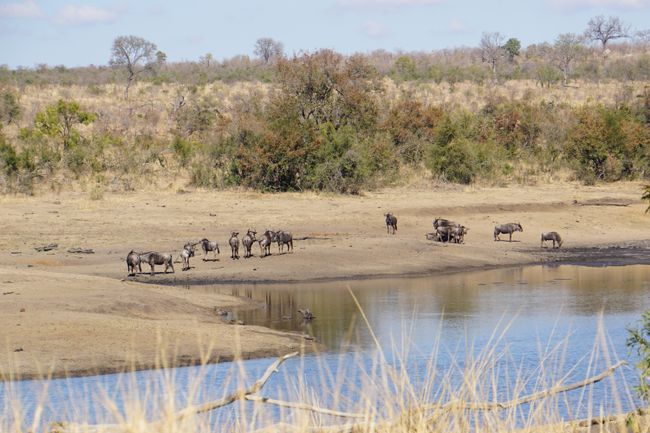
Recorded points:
77,33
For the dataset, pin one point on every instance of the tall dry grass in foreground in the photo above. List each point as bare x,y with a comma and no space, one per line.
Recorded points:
380,390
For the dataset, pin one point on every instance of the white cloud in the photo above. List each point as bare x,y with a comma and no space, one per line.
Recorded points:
375,29
584,4
384,4
457,26
73,14
24,9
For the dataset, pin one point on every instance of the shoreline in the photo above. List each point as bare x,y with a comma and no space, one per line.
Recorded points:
78,306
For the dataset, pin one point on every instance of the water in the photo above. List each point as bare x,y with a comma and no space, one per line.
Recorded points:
525,317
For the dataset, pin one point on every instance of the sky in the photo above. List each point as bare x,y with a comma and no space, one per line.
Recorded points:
80,33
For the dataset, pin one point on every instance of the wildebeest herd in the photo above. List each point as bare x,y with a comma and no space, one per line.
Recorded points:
134,260
444,231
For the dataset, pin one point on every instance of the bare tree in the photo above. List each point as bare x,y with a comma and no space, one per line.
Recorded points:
136,55
642,37
604,29
267,49
492,51
567,48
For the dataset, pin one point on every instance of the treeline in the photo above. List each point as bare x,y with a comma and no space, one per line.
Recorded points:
545,63
325,123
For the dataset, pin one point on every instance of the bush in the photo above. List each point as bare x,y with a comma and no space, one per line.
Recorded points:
455,161
639,341
8,157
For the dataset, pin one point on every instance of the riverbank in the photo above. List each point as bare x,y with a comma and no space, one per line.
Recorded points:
82,315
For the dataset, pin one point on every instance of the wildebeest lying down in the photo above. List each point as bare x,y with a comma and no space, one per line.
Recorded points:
133,260
154,258
551,236
391,223
207,245
509,229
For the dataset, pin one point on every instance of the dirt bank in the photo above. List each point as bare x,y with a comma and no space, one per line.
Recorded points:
77,311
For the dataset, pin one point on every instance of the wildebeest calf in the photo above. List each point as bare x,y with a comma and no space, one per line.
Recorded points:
188,251
551,236
284,238
154,258
247,242
391,223
133,260
509,228
207,245
457,233
234,245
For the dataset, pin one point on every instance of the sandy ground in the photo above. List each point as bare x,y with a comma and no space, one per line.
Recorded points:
82,314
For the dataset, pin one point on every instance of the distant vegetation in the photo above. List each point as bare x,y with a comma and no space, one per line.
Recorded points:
324,121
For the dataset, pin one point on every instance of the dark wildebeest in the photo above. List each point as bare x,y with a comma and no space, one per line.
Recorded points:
133,260
441,222
234,245
391,223
551,236
248,241
265,242
509,228
207,245
307,315
188,251
154,258
457,233
284,238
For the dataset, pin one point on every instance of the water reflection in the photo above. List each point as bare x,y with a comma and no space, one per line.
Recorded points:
471,301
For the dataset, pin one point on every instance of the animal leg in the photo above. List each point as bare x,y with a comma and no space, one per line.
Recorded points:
152,272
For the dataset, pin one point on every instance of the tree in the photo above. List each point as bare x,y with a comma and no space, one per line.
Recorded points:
492,51
267,49
567,48
604,29
512,47
136,55
59,120
639,340
642,37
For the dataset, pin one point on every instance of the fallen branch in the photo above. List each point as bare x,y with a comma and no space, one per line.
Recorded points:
237,395
532,397
303,406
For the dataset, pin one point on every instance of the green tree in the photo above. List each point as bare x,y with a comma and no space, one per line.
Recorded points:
405,68
59,121
9,107
639,341
512,47
566,50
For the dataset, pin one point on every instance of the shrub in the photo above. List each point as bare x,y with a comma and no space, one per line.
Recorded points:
8,157
639,341
454,161
9,108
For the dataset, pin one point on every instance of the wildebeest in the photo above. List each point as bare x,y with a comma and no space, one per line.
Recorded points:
509,228
391,223
265,242
188,251
154,258
133,260
441,222
234,245
551,236
207,245
307,315
284,238
248,241
457,233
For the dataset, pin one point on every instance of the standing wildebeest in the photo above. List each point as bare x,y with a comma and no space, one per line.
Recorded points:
265,242
133,260
441,222
154,258
248,241
284,238
457,233
234,245
509,228
188,251
551,236
207,245
391,223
